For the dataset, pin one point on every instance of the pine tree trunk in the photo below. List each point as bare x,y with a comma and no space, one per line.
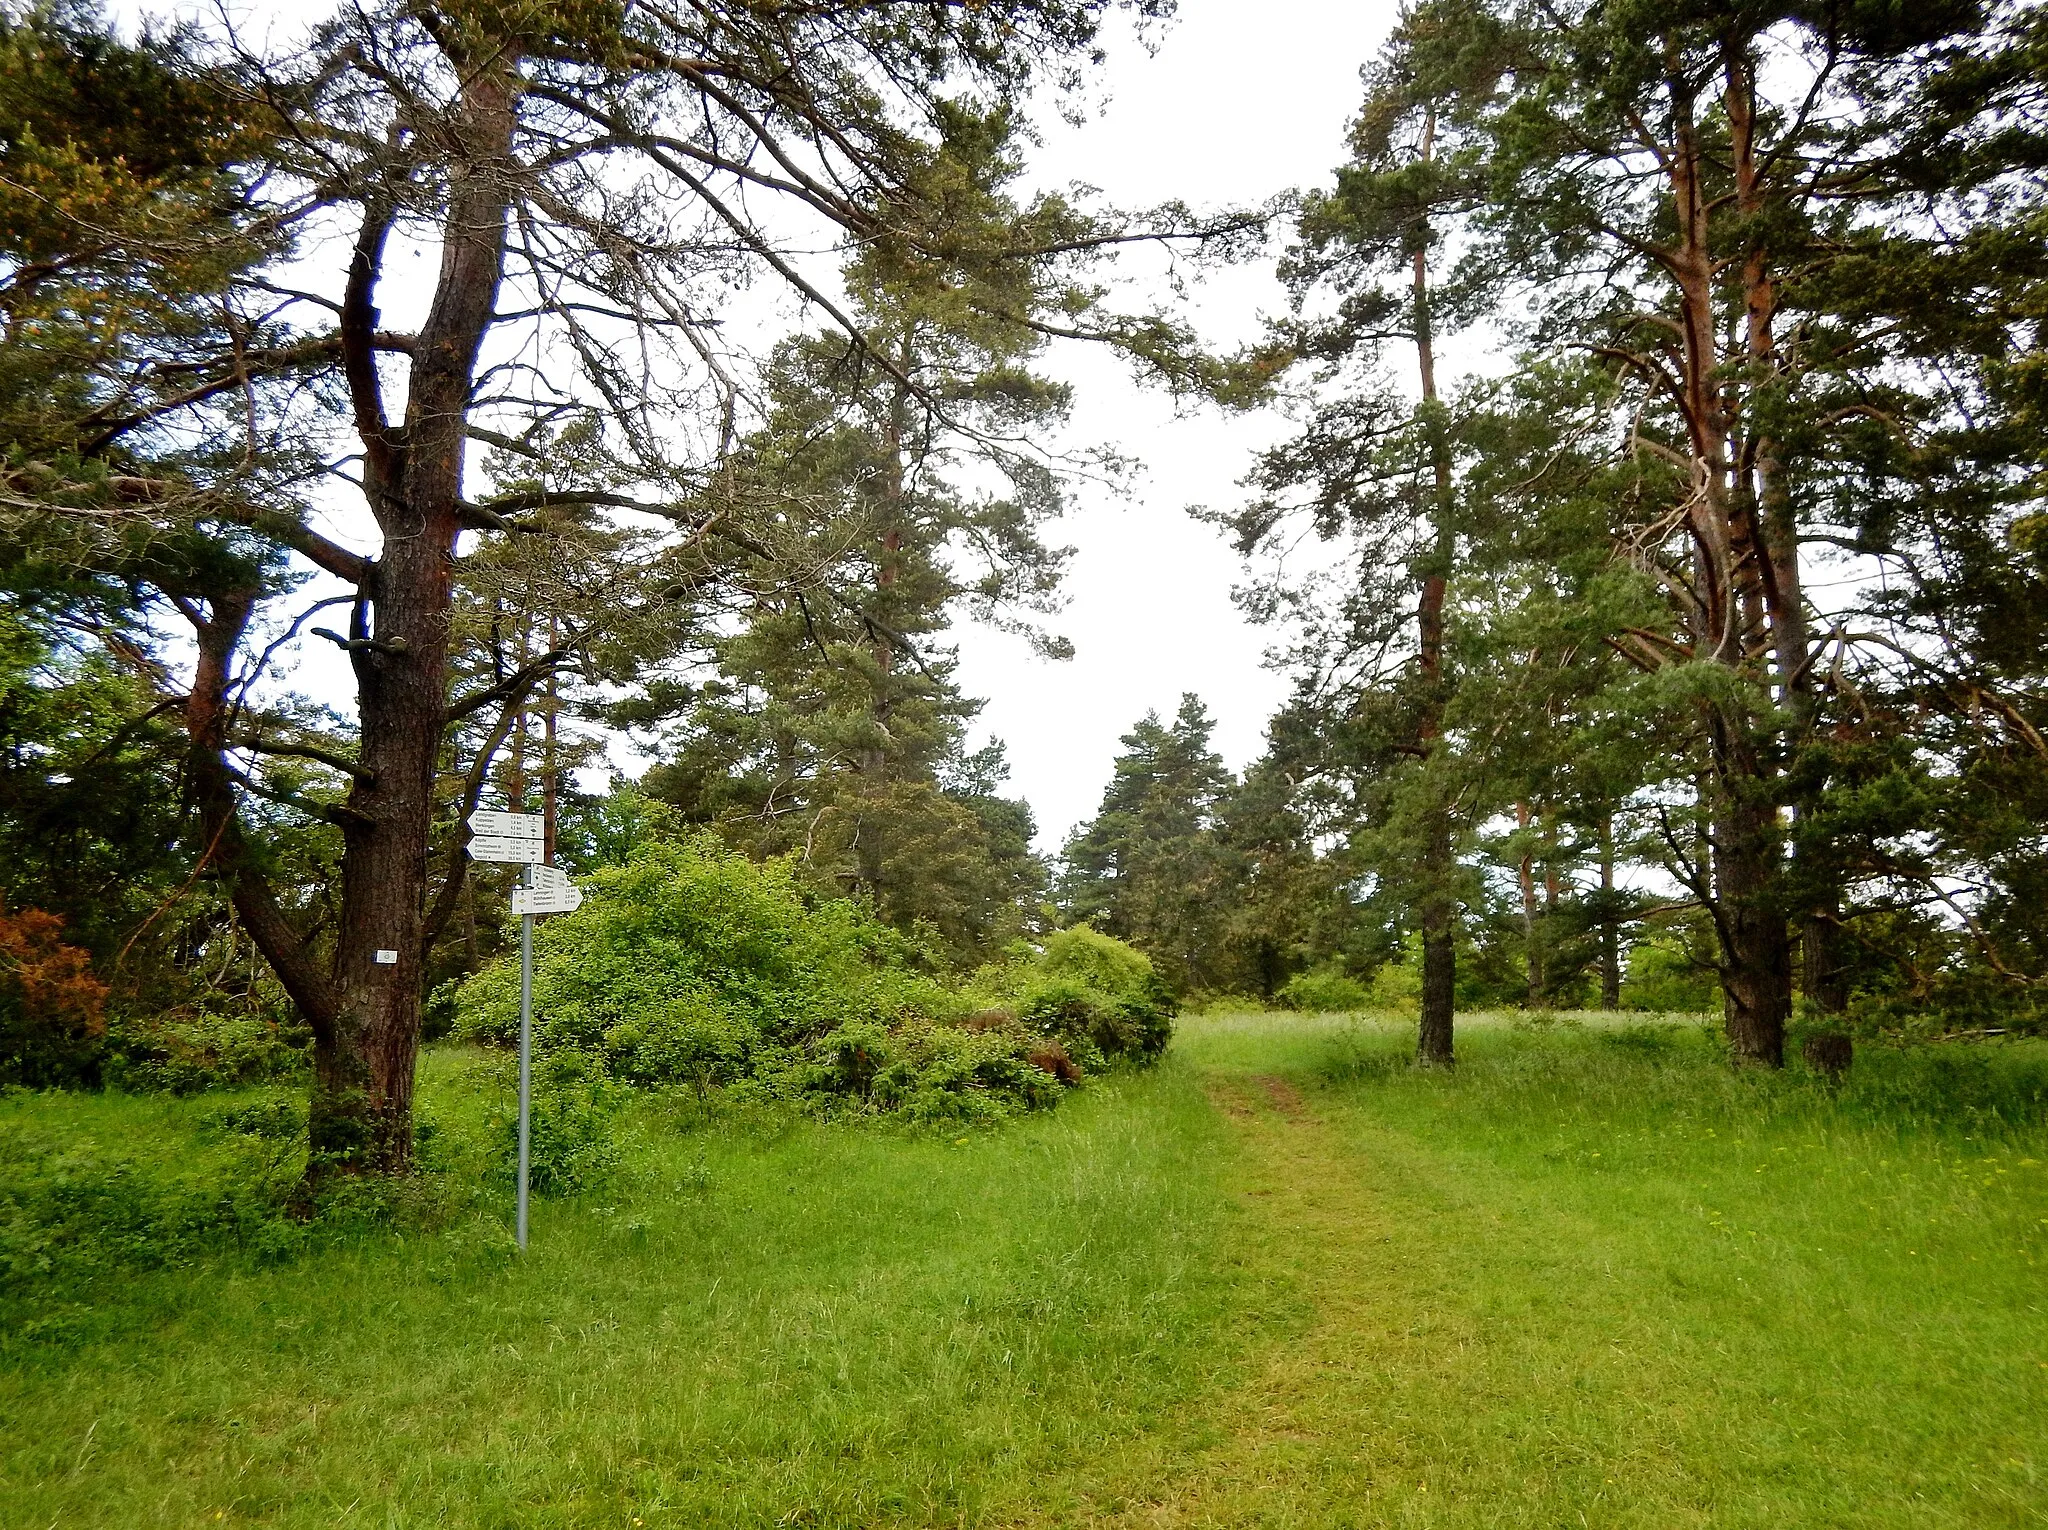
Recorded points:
1532,959
1437,907
363,1062
1731,618
1756,946
1433,1041
550,789
1820,965
1778,529
1610,927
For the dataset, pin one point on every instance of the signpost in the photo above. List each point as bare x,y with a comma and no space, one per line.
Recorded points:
546,891
517,838
521,839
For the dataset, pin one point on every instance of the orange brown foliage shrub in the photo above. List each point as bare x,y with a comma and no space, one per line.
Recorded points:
52,1009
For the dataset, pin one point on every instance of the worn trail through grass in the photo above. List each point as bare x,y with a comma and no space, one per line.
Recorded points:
1593,1279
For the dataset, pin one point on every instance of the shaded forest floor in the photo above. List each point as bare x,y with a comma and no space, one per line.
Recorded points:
1593,1278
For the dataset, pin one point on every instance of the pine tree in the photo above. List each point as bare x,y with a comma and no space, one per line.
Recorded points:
594,179
835,730
1733,240
1151,867
1376,469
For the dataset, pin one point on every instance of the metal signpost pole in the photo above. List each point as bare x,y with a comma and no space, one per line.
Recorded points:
525,1054
521,839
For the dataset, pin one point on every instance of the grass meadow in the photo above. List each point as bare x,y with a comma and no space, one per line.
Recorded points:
1593,1278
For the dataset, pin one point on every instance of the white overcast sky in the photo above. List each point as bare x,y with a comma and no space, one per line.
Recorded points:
1240,101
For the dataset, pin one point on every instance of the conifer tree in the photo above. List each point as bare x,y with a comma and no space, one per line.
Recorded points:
1151,866
592,179
1724,204
1376,469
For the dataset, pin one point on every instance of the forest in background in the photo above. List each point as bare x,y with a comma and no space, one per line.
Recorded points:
1692,657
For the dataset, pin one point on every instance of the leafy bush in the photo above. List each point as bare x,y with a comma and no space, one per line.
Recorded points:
691,964
52,1009
938,1073
1324,990
574,1144
1099,999
184,1052
1665,976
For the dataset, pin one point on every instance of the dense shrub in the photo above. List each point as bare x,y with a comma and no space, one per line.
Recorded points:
1324,990
574,1142
1666,976
692,964
931,1072
186,1051
1099,999
52,1009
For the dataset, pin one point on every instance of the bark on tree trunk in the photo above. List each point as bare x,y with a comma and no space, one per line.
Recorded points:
363,1066
1820,965
1610,928
550,777
1756,946
1733,612
1434,1041
1437,907
1791,637
1532,957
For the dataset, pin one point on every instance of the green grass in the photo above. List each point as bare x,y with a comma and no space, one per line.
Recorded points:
1592,1278
1599,1274
764,1323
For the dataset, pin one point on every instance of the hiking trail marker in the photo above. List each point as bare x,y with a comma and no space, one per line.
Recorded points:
517,838
547,891
521,839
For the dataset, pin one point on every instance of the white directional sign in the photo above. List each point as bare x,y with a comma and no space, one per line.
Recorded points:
493,847
519,838
509,825
551,893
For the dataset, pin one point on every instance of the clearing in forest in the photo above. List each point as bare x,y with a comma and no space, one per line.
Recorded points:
1283,1279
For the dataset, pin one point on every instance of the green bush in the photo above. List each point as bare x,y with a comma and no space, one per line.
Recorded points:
936,1073
691,964
187,1051
1324,990
1099,999
574,1142
1665,977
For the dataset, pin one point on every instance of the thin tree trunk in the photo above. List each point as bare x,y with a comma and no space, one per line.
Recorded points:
1526,874
1778,530
1437,911
1610,927
549,779
870,867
